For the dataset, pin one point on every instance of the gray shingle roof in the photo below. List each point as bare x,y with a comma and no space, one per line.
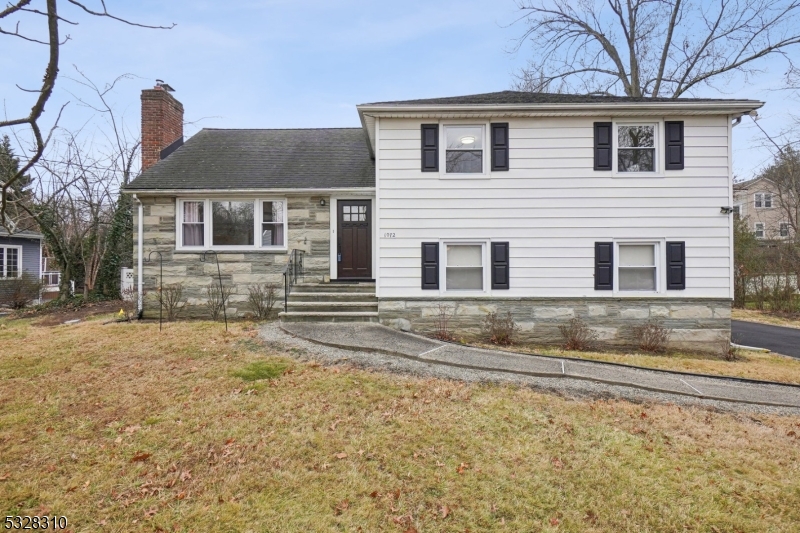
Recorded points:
525,97
265,159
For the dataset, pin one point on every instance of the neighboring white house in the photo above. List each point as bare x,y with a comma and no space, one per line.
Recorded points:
613,210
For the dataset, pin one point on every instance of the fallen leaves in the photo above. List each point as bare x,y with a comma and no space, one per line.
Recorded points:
341,455
140,456
462,467
5,476
342,507
444,511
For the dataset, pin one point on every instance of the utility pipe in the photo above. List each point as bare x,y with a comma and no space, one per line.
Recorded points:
140,248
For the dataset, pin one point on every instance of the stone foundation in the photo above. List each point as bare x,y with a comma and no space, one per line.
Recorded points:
308,230
695,324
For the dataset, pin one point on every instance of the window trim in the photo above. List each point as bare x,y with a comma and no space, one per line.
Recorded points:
208,222
763,196
763,230
443,267
658,258
486,152
788,229
18,248
658,157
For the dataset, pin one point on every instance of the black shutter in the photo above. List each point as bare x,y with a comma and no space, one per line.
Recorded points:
676,266
430,148
500,146
674,145
603,266
603,146
500,265
430,265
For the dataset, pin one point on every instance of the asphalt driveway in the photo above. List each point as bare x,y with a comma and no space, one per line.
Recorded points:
780,340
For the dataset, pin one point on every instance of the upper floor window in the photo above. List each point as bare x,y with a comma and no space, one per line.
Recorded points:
232,224
464,149
636,148
10,257
763,200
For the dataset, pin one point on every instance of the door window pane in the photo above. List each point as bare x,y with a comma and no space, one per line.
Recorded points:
272,228
233,223
464,269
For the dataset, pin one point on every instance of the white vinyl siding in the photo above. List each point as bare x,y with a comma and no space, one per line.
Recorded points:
552,207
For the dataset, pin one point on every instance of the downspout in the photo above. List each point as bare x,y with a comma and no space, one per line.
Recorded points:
140,248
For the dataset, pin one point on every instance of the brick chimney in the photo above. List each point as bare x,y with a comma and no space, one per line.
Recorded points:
162,122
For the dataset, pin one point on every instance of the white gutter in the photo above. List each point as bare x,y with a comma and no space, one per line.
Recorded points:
676,106
140,248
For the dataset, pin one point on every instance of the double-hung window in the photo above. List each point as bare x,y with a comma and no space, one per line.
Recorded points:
10,261
228,224
783,229
464,267
636,148
464,149
759,230
763,200
637,269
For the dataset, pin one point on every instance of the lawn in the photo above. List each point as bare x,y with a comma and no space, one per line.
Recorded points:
766,317
122,428
748,364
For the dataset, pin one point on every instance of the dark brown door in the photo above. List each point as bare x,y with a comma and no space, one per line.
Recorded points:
354,254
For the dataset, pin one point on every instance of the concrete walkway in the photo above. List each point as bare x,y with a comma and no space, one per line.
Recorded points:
376,338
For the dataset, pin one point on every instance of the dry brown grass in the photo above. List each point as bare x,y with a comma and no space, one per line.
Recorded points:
751,365
121,428
766,317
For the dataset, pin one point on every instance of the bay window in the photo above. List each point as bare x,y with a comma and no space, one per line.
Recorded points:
232,224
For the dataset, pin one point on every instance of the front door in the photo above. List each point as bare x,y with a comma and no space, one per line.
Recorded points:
354,254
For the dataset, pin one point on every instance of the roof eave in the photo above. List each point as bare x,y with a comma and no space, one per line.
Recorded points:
604,109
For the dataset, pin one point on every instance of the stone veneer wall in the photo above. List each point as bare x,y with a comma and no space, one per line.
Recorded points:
308,230
694,324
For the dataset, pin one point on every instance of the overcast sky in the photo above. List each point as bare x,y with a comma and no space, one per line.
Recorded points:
291,63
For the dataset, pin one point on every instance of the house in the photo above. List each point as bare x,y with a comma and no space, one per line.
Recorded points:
758,201
613,210
20,255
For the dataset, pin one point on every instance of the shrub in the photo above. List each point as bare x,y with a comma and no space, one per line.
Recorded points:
217,297
262,299
20,292
500,329
443,323
651,336
577,335
170,298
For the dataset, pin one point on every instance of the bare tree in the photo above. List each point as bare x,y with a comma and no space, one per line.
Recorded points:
78,180
30,12
651,48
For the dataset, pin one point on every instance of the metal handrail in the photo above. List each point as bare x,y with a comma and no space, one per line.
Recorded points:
293,271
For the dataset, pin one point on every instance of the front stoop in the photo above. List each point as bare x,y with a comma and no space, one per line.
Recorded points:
331,302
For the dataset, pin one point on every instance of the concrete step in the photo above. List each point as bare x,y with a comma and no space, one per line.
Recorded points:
332,297
334,287
332,307
302,316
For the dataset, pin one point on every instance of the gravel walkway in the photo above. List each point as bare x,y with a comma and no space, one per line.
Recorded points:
306,350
